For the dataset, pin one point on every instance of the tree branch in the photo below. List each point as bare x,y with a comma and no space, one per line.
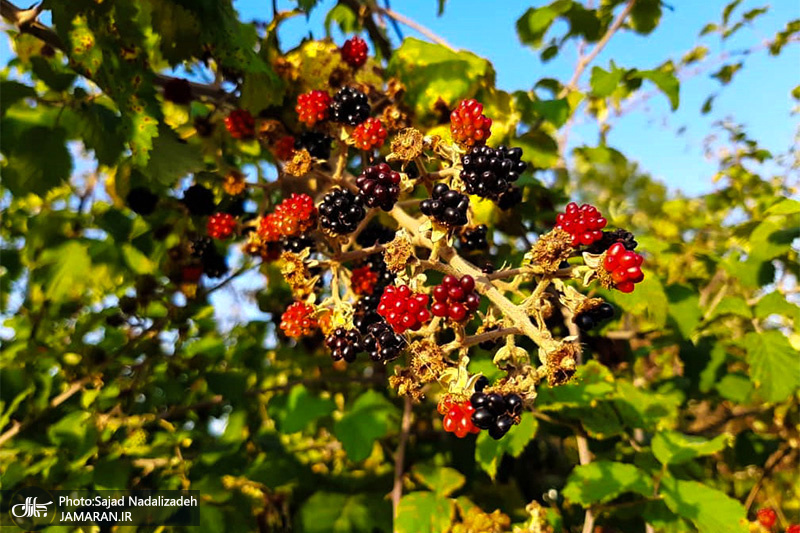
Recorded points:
414,25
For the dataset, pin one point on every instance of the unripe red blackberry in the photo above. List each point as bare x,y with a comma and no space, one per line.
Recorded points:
455,298
240,124
354,51
178,90
382,343
458,418
283,148
350,106
468,124
220,225
379,186
293,216
582,223
199,200
313,107
767,517
317,144
446,206
369,134
624,266
344,344
298,321
341,212
363,280
385,276
142,201
403,309
490,172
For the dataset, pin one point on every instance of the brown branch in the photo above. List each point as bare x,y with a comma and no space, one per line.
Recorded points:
400,455
414,25
585,457
770,464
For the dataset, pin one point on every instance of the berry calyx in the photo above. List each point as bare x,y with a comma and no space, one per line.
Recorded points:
298,321
489,172
382,343
240,124
142,201
582,223
624,266
349,106
404,309
220,225
293,216
313,107
767,517
369,134
469,125
379,186
455,298
458,418
341,212
363,280
199,200
344,344
446,206
354,51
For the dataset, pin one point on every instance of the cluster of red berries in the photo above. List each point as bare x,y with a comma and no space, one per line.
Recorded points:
293,216
455,298
220,225
468,124
583,223
313,107
354,51
457,417
625,267
240,124
767,517
363,280
298,320
379,186
403,309
369,134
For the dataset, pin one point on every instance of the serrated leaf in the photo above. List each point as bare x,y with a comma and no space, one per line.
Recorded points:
776,303
772,237
424,512
732,306
773,365
684,308
12,92
261,89
735,387
368,419
534,23
710,510
649,300
68,273
602,481
672,447
489,452
667,83
172,158
441,480
302,408
26,171
555,111
603,82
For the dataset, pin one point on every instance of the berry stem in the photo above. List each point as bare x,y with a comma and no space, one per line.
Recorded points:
466,342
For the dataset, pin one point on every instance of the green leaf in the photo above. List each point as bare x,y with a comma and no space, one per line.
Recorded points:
489,452
57,80
555,111
344,17
646,409
784,206
592,382
431,72
367,420
136,260
604,82
12,92
331,512
735,387
725,73
602,481
776,303
534,23
439,479
75,433
101,130
424,512
672,447
645,16
69,272
649,300
732,306
261,89
172,158
684,308
773,365
540,149
710,510
27,171
667,83
773,237
302,408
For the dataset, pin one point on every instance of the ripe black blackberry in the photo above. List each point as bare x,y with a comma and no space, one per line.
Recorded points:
344,344
489,172
589,319
349,106
375,233
341,212
446,206
385,276
379,186
178,90
474,239
142,200
298,244
612,237
317,144
382,343
215,265
365,312
495,412
233,205
510,198
199,200
200,247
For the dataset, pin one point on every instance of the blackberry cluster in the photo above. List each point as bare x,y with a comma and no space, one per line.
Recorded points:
214,263
142,201
344,344
375,234
447,206
489,172
350,106
296,245
610,238
199,200
341,212
455,298
382,343
495,412
317,144
589,319
474,239
379,186
510,198
366,312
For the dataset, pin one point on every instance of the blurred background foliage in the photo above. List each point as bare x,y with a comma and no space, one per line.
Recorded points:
114,375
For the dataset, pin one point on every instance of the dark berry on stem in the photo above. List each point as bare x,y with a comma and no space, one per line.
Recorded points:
373,234
344,344
350,106
382,343
142,201
514,403
496,403
474,239
341,212
317,144
481,383
510,198
483,418
199,200
379,186
605,311
446,206
501,426
611,237
489,172
584,321
478,400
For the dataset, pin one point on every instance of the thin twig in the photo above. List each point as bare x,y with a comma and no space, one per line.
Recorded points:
414,25
400,455
585,457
